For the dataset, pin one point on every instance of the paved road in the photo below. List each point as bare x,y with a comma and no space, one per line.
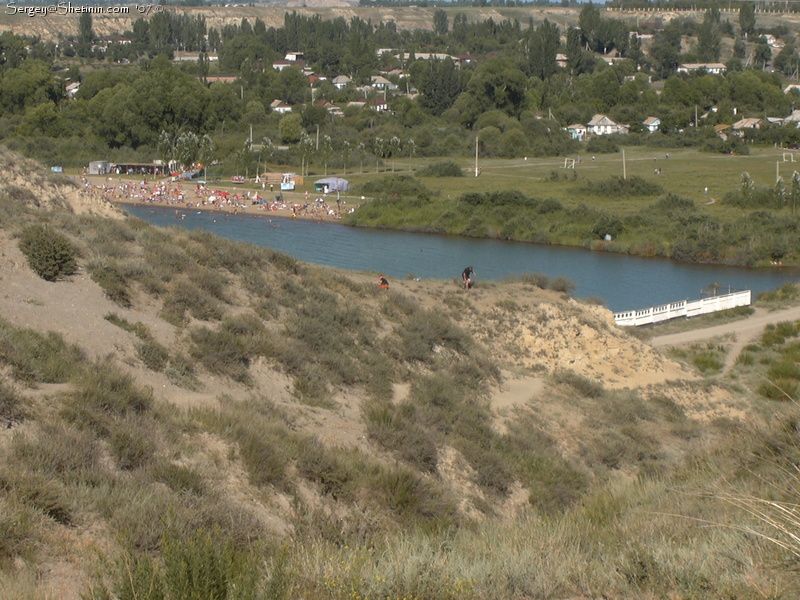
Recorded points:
744,331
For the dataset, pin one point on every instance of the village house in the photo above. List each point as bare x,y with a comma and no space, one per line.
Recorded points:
280,107
72,89
379,104
747,123
602,125
332,109
381,83
280,65
713,68
341,81
577,131
652,124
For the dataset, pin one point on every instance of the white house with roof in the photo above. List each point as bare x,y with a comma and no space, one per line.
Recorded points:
747,123
713,68
652,124
793,119
280,65
379,104
294,56
280,107
602,125
381,83
341,81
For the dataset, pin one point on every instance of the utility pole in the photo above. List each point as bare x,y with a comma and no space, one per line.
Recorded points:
317,136
476,156
624,166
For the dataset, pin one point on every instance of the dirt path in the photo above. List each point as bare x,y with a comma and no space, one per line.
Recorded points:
744,331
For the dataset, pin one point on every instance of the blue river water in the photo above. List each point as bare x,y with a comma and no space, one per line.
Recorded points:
622,282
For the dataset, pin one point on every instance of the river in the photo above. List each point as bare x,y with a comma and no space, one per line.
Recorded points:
622,282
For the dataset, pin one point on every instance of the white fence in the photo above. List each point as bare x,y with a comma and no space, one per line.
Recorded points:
684,308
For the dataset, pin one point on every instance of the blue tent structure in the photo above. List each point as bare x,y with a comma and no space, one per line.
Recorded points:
331,184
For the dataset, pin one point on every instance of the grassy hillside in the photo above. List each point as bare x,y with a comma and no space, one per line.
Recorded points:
189,417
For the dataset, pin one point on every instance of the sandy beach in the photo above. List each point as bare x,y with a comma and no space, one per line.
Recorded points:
223,198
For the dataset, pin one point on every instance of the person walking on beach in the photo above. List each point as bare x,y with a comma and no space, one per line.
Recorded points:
466,277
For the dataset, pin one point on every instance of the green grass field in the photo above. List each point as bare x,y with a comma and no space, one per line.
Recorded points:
686,173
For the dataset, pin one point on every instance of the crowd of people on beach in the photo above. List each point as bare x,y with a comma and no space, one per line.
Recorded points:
200,196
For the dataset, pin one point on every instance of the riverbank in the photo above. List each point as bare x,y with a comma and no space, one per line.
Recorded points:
228,200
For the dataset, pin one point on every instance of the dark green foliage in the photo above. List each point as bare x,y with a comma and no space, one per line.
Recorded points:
608,225
396,186
617,187
50,254
603,144
444,168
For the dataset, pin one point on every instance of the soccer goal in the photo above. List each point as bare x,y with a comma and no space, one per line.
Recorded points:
569,163
788,157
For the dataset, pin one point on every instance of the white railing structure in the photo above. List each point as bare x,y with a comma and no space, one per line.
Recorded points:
683,308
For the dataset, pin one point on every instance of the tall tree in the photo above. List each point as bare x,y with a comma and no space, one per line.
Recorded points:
85,35
438,82
541,49
709,37
747,18
440,26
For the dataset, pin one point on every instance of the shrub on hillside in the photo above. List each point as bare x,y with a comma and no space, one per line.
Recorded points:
37,357
50,254
108,276
445,168
10,404
616,186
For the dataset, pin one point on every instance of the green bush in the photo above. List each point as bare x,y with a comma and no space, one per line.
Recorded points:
178,478
616,186
50,254
444,168
707,362
37,357
39,493
587,388
562,284
109,276
396,185
154,356
10,404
